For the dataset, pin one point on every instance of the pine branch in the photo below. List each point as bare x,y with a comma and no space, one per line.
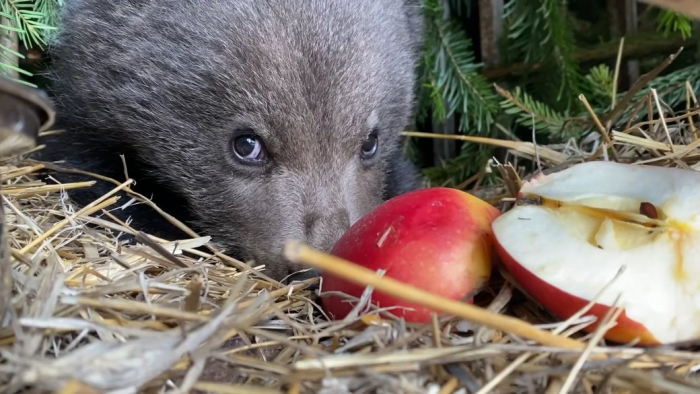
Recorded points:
453,172
599,86
531,113
671,22
669,87
28,22
561,125
430,95
454,73
50,11
539,32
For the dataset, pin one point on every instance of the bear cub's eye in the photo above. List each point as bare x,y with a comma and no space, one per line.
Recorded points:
369,146
249,148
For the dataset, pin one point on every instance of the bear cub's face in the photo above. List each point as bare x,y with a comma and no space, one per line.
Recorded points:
314,118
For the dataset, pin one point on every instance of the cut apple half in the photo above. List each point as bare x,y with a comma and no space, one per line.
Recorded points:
571,232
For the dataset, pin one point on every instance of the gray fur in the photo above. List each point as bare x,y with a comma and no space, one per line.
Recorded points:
167,83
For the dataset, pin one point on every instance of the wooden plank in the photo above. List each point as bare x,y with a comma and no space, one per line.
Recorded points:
631,27
690,8
633,48
490,30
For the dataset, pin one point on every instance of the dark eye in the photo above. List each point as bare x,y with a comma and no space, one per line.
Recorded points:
369,146
249,147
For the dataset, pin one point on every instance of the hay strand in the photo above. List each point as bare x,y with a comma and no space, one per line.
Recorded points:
300,253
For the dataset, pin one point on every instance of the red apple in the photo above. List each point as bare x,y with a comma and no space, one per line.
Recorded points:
573,230
436,239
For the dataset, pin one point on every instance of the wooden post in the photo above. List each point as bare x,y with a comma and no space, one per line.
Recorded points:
624,23
631,22
445,149
490,31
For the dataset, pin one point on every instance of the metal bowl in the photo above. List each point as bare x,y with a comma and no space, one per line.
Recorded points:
24,113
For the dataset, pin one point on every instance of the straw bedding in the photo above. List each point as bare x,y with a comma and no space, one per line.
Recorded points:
93,314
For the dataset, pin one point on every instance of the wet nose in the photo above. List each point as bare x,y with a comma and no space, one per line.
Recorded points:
323,230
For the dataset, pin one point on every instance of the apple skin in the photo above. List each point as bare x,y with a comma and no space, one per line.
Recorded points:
436,239
565,305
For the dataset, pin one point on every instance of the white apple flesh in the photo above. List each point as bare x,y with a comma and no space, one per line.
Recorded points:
583,224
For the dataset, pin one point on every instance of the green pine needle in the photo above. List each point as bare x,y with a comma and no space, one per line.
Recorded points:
531,113
29,22
599,86
670,22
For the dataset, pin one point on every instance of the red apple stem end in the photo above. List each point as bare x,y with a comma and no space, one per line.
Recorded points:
300,253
